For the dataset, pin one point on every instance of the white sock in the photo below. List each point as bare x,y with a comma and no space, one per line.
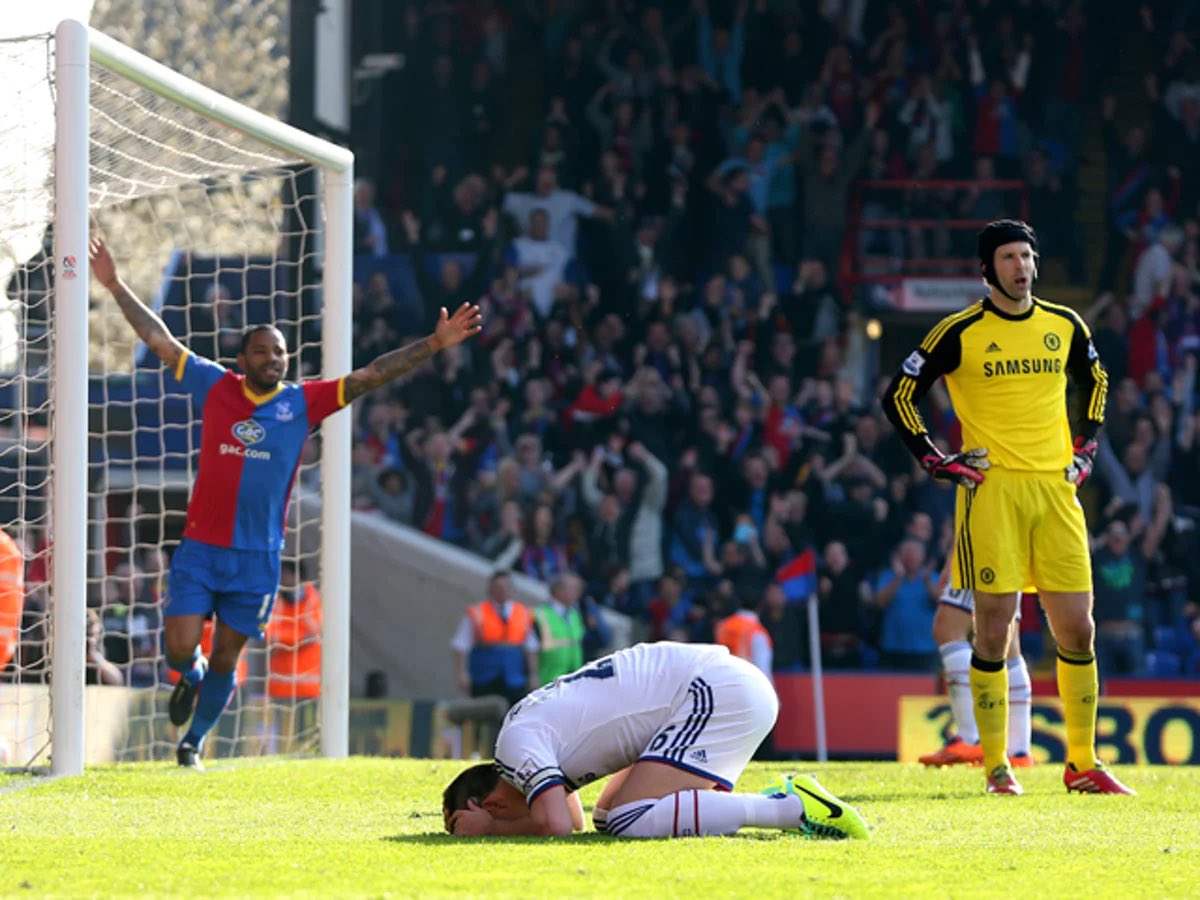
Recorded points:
1020,707
956,660
697,813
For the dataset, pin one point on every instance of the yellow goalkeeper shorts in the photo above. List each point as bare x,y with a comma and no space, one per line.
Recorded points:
1019,529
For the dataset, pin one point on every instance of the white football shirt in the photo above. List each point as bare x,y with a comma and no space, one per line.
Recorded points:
601,718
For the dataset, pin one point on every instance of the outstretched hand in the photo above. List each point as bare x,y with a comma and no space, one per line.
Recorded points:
451,330
103,266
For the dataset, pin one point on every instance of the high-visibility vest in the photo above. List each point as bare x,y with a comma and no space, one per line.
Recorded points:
561,648
294,638
206,642
12,596
737,633
498,650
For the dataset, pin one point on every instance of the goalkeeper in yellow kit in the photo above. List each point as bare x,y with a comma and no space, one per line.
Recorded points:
1018,522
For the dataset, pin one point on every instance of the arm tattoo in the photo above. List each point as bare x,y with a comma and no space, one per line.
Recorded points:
149,327
387,367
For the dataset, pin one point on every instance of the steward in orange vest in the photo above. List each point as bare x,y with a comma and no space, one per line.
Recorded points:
294,645
496,645
12,597
746,637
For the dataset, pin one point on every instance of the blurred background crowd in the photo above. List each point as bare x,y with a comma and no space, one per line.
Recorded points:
680,219
675,393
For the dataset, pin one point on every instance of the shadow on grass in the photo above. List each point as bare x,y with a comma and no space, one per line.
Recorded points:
441,839
435,839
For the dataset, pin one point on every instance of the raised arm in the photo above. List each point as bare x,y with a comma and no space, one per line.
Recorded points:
1163,511
975,60
856,154
564,475
590,483
655,494
149,327
601,121
466,322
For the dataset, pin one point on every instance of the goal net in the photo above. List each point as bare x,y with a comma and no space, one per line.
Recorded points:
219,218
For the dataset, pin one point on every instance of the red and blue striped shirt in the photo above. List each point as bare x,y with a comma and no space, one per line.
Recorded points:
250,449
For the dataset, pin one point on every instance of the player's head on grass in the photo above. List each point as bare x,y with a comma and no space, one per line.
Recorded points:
1008,254
263,357
482,786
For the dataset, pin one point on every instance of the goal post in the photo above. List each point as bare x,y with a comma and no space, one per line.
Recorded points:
69,495
78,53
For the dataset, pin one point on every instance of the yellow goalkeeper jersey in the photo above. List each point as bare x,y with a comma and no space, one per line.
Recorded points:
1007,377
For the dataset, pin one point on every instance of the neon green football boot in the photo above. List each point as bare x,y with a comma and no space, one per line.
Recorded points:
825,815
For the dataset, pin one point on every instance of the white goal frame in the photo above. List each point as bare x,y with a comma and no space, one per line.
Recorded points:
76,46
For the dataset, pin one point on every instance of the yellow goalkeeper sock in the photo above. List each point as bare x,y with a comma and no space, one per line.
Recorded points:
989,687
1078,685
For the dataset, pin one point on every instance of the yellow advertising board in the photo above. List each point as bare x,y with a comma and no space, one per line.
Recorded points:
1155,730
126,725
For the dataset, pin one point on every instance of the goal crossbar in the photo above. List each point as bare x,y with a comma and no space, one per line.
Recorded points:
191,95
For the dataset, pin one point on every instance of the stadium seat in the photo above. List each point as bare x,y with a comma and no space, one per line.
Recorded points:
1163,664
785,276
577,273
1191,665
398,267
1056,151
433,263
1166,637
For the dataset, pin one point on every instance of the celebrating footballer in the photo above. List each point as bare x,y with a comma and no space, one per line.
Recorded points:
253,429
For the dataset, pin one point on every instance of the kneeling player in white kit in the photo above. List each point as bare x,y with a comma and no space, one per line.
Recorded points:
675,724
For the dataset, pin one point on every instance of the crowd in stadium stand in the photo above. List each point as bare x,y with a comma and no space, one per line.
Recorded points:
673,395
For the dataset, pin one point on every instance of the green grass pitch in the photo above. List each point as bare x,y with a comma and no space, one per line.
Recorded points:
372,828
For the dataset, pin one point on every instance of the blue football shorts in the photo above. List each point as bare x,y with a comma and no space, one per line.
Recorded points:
238,585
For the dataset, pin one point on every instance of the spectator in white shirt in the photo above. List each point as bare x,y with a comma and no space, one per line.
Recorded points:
1152,275
541,264
562,207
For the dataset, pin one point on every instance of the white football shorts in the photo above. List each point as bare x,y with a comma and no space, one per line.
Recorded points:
724,715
